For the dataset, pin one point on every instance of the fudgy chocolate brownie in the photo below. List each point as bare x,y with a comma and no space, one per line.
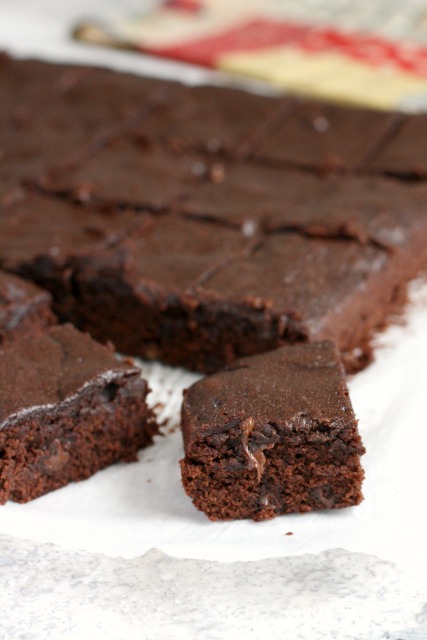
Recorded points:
405,155
23,306
201,295
142,293
325,137
39,236
272,434
68,409
368,209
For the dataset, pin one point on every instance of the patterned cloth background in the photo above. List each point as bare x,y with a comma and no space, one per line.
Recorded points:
367,53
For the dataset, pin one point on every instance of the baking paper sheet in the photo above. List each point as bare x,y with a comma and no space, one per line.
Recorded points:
128,509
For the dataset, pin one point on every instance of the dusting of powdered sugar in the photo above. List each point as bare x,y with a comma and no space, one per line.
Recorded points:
99,381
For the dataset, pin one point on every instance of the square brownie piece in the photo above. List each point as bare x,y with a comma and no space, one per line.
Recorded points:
68,409
272,434
326,137
23,307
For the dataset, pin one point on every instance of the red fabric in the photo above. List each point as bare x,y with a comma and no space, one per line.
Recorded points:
263,33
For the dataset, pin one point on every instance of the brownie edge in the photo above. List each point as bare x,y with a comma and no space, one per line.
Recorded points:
272,434
68,408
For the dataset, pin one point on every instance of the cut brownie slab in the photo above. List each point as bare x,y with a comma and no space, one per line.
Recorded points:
201,295
325,137
68,408
272,434
23,306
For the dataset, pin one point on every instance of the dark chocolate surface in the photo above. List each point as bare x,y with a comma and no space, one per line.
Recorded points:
272,434
130,171
213,119
41,228
326,137
281,387
308,282
68,408
23,306
256,198
50,367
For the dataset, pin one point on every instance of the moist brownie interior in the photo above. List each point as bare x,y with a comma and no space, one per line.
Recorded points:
271,434
68,408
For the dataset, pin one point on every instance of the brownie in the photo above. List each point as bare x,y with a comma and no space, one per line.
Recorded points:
272,434
365,208
184,224
69,408
297,288
56,115
23,307
105,99
39,236
33,132
213,119
325,137
405,155
153,279
201,295
132,172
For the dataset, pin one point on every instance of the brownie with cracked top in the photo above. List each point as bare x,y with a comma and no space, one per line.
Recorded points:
272,434
68,408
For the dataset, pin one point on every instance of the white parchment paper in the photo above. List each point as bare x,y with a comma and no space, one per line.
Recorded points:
128,509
